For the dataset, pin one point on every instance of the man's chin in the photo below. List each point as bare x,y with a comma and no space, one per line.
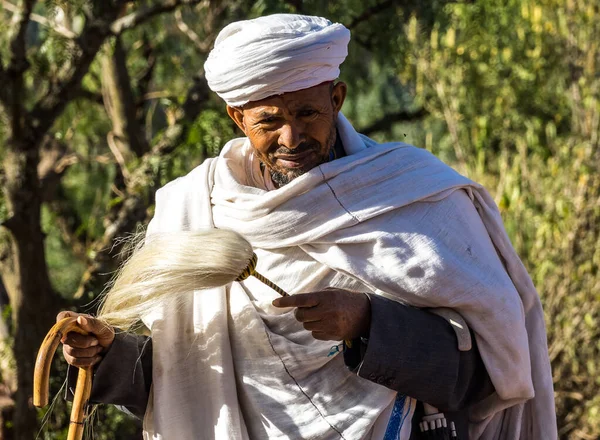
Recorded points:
281,178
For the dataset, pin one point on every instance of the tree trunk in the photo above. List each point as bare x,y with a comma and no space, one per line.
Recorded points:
6,414
119,101
8,379
25,276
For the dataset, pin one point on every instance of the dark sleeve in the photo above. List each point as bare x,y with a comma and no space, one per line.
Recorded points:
415,352
124,375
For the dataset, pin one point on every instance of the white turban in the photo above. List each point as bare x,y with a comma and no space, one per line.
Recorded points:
267,56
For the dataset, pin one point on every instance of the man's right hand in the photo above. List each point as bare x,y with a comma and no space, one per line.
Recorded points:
84,351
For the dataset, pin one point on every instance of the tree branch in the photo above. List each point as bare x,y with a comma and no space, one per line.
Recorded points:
67,33
17,45
202,45
195,102
369,12
144,78
140,192
16,68
297,5
50,167
69,222
48,108
90,96
120,104
386,122
93,36
55,159
365,43
144,14
4,96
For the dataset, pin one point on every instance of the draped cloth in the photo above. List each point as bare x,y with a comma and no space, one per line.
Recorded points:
271,55
389,219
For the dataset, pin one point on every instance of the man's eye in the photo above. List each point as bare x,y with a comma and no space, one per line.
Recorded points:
268,120
305,113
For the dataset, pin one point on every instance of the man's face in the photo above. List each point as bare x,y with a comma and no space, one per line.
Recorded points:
292,133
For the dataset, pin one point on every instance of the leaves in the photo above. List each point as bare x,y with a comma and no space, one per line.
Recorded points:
511,87
506,93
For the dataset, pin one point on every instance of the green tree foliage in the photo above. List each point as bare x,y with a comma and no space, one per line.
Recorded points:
506,93
513,97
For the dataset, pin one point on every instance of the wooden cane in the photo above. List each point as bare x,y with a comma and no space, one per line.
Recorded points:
84,379
41,376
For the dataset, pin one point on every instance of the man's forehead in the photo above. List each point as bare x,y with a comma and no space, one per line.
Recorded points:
277,109
290,100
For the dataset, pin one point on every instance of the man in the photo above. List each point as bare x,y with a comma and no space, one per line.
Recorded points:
373,241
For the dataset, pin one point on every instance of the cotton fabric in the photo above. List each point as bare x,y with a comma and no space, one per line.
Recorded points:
389,219
275,54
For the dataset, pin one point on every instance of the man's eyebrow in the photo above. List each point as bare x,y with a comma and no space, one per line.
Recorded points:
267,114
308,106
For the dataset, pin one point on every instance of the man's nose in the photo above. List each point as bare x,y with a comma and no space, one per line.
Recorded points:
290,136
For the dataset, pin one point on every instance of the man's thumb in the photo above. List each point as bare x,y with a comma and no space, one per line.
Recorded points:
94,326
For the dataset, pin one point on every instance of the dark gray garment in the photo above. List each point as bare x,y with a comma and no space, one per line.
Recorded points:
415,352
409,350
124,375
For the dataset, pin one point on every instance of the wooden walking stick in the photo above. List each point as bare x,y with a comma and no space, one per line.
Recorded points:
41,376
226,257
83,388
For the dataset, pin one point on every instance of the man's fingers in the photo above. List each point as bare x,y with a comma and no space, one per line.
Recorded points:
79,341
308,314
82,362
93,325
322,336
315,326
326,331
298,300
81,352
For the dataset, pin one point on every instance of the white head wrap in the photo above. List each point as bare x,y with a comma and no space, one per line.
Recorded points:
267,56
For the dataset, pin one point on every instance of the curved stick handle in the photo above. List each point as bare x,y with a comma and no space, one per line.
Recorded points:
41,376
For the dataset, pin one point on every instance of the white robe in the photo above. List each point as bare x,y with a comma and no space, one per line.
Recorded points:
389,219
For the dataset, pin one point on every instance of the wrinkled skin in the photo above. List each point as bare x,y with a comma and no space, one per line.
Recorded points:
81,350
291,134
331,314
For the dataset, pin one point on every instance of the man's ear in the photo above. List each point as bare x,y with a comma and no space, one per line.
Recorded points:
338,95
237,115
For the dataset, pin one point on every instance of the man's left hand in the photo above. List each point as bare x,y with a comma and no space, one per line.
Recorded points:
331,314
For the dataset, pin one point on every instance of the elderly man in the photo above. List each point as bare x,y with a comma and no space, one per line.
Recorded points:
382,246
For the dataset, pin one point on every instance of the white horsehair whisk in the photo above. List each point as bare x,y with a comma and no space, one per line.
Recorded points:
161,270
166,266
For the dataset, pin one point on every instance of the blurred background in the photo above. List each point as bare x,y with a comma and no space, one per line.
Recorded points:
104,101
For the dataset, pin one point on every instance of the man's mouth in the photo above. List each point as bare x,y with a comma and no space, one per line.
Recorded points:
293,160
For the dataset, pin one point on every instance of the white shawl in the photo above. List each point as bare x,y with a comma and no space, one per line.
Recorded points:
390,219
